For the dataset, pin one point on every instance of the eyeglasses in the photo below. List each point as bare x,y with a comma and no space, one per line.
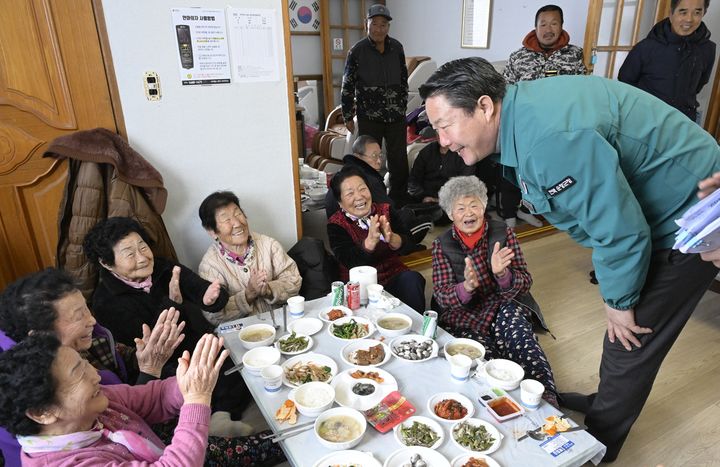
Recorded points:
377,156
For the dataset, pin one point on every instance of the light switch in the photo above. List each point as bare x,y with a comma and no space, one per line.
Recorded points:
152,86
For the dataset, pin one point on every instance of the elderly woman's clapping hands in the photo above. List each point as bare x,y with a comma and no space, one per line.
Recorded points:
197,374
157,345
257,285
501,259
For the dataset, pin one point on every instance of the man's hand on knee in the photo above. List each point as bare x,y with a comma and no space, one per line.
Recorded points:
713,256
621,325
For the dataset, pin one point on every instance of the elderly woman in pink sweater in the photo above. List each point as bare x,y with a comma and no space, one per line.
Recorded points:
52,400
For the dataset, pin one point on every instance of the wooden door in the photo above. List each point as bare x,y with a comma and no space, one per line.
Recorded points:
53,81
612,29
340,19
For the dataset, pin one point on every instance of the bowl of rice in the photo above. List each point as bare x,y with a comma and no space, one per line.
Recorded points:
312,399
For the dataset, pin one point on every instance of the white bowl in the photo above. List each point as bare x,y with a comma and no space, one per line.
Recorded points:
260,357
306,326
349,457
441,396
434,426
312,399
295,352
356,416
363,344
347,319
312,357
402,456
504,374
323,315
463,459
253,328
396,343
394,332
494,432
469,342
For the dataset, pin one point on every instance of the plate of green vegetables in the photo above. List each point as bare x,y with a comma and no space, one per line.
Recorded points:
476,435
351,328
294,343
419,431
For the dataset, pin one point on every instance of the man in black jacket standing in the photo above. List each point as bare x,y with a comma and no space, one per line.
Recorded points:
375,89
676,59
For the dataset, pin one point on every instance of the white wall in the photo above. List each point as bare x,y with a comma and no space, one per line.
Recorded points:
433,28
204,138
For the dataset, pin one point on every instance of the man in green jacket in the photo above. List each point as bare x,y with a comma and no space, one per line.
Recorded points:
614,167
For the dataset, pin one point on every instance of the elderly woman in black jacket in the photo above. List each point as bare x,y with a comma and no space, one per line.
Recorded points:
135,287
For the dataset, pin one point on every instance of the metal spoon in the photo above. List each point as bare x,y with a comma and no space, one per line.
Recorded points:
539,435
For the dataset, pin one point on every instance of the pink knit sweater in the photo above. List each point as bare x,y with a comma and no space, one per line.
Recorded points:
154,402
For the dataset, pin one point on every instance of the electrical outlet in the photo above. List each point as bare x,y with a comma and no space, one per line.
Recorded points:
151,83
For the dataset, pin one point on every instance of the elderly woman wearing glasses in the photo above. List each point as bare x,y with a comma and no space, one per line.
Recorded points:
366,157
477,282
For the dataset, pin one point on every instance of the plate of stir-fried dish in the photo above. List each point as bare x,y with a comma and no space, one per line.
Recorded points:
308,367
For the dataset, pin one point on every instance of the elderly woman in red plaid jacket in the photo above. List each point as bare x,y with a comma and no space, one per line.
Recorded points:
476,284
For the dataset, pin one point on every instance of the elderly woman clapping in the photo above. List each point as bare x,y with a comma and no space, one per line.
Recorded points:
53,402
255,268
476,283
49,301
135,287
364,233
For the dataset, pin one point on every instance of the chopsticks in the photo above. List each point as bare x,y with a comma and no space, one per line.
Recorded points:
288,432
232,370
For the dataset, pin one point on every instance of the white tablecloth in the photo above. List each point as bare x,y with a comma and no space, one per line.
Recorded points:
418,382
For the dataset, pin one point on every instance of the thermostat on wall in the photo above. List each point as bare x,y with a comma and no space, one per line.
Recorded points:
152,86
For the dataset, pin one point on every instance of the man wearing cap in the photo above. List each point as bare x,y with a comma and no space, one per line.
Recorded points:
614,167
375,89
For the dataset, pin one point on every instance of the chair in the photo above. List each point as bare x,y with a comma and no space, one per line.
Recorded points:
419,70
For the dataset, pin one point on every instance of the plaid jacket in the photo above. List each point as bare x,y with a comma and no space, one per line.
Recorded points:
479,312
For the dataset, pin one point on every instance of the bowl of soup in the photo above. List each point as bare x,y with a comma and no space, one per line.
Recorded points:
257,335
340,428
394,324
473,349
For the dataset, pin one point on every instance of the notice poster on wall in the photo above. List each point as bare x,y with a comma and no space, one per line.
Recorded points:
202,43
253,43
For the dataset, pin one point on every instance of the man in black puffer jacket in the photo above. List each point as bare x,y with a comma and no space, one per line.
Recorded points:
674,62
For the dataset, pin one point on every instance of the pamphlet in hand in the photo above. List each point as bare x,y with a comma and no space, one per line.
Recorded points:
700,226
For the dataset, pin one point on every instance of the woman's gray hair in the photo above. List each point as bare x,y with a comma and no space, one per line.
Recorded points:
459,187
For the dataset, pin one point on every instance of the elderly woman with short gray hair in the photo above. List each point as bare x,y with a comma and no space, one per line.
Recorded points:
475,283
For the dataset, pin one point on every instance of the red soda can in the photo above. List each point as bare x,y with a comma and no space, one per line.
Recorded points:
353,295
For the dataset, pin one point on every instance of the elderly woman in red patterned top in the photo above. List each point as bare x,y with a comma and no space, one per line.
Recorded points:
363,233
476,284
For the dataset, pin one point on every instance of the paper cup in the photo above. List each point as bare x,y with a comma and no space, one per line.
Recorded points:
272,378
296,306
374,292
460,367
531,392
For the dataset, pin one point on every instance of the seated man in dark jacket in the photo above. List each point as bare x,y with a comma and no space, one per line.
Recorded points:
367,156
676,59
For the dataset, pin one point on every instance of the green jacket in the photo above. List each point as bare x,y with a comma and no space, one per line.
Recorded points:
608,163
